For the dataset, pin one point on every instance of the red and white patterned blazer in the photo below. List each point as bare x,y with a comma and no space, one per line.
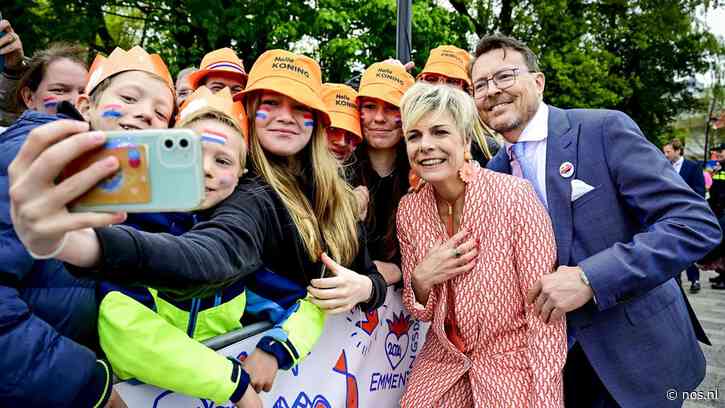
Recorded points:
511,358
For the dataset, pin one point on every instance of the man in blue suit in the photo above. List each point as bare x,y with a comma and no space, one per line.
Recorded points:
691,172
625,224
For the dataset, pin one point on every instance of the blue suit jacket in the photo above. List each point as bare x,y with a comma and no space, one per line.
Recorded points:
639,227
691,172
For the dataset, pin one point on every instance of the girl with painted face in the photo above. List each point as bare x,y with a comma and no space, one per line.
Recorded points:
343,134
292,163
292,202
382,167
54,75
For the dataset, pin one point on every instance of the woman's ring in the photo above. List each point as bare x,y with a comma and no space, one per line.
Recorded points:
456,253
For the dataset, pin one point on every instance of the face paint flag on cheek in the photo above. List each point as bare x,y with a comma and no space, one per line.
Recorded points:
397,119
308,120
211,136
50,102
225,181
262,113
112,111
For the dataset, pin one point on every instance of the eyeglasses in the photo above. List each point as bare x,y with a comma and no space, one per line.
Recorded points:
337,135
442,79
502,79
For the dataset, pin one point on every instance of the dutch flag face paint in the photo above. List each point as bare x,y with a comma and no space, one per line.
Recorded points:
308,120
50,102
396,118
112,111
262,113
211,136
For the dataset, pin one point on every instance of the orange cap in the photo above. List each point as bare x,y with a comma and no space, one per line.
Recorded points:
449,61
296,76
386,81
341,105
204,100
222,61
120,60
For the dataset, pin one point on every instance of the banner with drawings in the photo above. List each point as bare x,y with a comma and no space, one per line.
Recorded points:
361,360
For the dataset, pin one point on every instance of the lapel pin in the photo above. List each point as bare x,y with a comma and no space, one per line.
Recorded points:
566,169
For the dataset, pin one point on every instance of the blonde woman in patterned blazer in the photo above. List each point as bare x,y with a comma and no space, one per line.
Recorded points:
472,243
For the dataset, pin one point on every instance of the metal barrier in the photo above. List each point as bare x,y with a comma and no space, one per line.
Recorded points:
219,342
361,360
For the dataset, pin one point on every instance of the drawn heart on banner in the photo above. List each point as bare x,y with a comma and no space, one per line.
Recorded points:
396,348
320,402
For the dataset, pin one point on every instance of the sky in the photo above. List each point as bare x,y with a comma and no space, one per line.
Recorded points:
716,21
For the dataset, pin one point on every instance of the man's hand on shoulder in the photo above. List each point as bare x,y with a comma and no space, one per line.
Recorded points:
559,292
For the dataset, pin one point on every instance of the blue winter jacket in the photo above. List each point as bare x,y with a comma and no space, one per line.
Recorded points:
45,313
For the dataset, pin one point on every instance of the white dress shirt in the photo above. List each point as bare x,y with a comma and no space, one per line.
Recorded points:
535,135
678,164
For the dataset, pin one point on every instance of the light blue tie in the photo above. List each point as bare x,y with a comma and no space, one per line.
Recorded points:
527,168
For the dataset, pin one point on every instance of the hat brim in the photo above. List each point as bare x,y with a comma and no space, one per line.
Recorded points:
198,76
347,122
290,88
449,70
383,92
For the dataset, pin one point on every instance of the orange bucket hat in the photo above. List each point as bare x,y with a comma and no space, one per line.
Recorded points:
222,61
120,60
296,76
386,81
204,101
341,104
449,61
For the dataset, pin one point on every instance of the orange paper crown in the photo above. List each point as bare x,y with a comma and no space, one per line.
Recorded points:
204,100
120,60
223,61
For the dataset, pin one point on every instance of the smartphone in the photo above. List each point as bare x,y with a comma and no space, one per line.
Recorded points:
160,170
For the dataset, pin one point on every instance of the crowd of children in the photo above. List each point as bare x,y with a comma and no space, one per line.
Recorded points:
278,168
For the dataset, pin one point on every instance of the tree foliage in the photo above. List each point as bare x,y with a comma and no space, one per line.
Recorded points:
633,55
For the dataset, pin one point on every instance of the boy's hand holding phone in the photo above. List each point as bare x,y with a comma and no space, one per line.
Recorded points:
37,205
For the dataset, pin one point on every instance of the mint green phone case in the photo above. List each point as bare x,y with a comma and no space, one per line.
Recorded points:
173,175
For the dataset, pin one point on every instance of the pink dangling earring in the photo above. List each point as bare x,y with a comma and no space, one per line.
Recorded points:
465,173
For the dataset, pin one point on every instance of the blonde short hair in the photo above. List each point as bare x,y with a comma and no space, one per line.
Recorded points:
218,116
423,99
